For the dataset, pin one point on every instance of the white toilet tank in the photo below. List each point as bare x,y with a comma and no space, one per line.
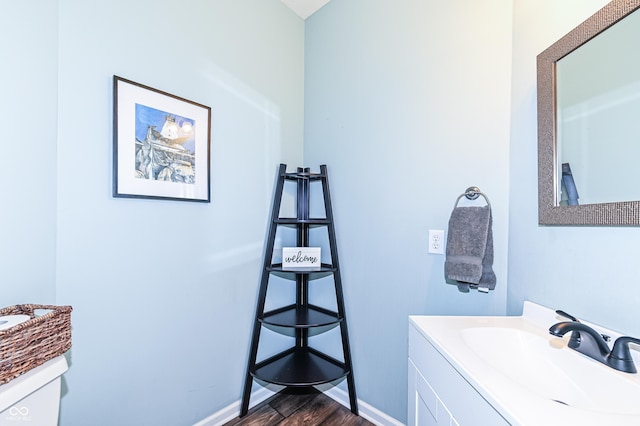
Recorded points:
34,397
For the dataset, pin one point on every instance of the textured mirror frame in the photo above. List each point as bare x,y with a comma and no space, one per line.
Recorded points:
549,212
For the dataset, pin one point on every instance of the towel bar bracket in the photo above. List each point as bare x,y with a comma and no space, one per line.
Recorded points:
472,192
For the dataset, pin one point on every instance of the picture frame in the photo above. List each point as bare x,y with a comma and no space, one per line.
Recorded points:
161,144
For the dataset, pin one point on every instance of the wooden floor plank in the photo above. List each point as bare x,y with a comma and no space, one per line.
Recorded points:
289,401
296,407
313,413
261,415
344,417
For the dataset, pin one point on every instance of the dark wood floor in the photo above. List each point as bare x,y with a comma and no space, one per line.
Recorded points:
309,408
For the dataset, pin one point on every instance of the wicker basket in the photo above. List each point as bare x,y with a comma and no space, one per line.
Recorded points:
35,341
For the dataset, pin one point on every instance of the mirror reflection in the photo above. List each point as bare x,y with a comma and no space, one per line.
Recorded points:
598,118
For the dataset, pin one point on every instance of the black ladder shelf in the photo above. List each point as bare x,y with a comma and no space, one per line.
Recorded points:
301,365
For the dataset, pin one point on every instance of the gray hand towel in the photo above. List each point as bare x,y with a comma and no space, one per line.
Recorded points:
470,249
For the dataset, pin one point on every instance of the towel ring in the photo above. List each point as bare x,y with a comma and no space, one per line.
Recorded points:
472,193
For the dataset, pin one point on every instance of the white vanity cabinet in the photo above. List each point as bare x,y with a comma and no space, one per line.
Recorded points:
438,394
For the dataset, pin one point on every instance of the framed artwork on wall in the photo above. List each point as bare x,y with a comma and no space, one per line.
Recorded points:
161,144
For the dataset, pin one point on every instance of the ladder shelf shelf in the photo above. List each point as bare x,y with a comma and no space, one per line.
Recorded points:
297,367
296,316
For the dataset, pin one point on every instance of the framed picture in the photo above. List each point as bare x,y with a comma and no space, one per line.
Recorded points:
161,144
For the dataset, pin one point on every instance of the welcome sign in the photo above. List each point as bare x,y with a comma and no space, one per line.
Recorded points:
301,257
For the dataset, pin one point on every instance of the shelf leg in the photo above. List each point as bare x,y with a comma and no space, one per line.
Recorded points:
262,293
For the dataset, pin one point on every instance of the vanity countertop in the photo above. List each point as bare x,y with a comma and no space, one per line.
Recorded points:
529,376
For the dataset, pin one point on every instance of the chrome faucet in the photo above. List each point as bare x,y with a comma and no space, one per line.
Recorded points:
589,342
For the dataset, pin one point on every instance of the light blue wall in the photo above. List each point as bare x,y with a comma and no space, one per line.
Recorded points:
408,104
163,292
587,271
28,108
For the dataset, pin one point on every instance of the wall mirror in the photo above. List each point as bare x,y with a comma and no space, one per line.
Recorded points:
589,121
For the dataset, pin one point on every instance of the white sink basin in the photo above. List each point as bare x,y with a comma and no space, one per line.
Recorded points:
546,367
531,377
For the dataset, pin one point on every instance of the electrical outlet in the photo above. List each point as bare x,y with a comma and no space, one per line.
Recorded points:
436,241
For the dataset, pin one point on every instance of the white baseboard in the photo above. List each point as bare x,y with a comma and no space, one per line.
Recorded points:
232,411
365,410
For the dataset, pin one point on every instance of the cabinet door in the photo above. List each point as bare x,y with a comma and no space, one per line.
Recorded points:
424,405
424,416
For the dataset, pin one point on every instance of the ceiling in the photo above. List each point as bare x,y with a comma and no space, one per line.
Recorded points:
304,8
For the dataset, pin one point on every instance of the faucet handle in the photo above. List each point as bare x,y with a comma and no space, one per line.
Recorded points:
620,356
566,315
